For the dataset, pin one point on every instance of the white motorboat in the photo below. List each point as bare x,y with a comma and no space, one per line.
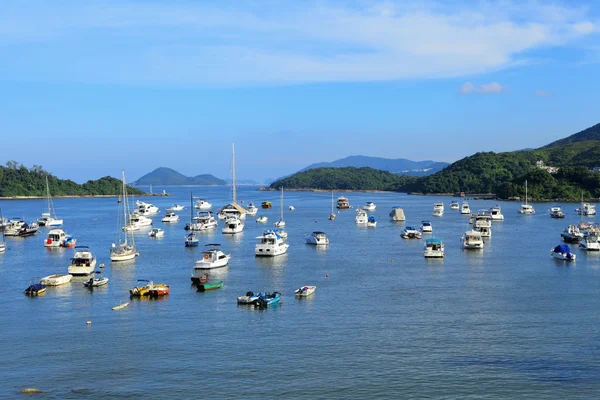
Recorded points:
464,208
232,226
590,242
251,209
279,231
281,222
233,208
332,215
170,216
496,213
56,238
270,244
83,262
49,218
175,207
562,252
305,291
262,219
317,238
137,222
372,222
426,227
526,208
126,249
397,214
56,280
586,209
572,234
434,248
204,220
485,231
454,205
342,203
156,233
361,217
145,209
410,233
438,209
472,240
213,257
96,281
483,220
202,204
556,212
13,227
369,206
3,222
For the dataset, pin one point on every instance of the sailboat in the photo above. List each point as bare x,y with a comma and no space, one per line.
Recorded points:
124,250
281,222
233,208
49,218
2,242
526,208
191,240
332,215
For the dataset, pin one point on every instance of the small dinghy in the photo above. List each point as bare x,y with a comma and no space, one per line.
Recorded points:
262,219
562,252
249,298
203,287
267,299
56,280
305,291
199,279
96,281
35,289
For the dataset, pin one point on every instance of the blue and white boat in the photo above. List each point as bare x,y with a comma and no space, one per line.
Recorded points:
426,227
191,240
434,248
372,222
267,299
562,252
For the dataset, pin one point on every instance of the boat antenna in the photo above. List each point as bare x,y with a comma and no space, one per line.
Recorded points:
233,172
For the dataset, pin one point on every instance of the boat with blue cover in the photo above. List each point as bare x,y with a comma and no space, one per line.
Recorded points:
372,222
434,248
267,299
562,252
35,289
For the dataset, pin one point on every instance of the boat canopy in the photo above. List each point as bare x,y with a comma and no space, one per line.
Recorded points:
410,228
562,248
434,240
426,223
397,213
318,233
372,219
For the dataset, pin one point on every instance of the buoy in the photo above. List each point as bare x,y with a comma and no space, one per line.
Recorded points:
89,322
101,265
326,275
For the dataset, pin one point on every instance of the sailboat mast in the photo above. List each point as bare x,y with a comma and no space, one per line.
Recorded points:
281,212
233,173
125,222
525,191
48,194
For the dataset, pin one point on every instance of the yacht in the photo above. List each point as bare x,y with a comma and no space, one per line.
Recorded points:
137,222
572,234
372,222
562,252
203,220
317,238
454,205
369,206
496,213
13,227
526,208
426,227
83,262
464,209
233,209
233,225
270,244
397,214
438,209
434,248
485,231
590,242
28,229
556,212
361,217
483,220
49,218
59,238
472,240
126,249
342,203
146,209
251,209
170,216
202,204
586,209
156,233
176,207
212,258
281,222
410,233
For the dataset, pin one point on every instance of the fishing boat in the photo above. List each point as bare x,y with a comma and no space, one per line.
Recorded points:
434,248
159,290
270,244
213,257
332,215
372,222
454,205
126,249
203,287
267,299
156,233
369,206
170,216
305,291
83,262
249,298
438,209
342,203
496,213
556,212
472,240
410,233
96,281
202,204
361,217
397,214
562,252
266,204
49,218
262,219
317,238
35,289
281,222
426,227
526,208
464,208
56,280
251,209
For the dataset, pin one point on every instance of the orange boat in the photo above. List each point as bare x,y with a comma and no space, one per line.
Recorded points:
159,290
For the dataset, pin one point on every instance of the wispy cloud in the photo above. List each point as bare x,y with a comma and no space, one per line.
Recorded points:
233,43
492,87
541,93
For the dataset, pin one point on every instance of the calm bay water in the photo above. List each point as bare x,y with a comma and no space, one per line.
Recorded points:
505,322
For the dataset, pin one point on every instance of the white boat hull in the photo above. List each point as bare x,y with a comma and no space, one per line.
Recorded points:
270,251
371,224
232,230
305,291
472,245
433,254
83,269
170,219
204,265
563,256
56,280
317,241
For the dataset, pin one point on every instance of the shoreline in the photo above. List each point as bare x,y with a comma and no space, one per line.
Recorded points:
81,196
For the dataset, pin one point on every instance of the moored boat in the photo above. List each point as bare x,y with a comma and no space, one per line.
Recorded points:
410,233
96,281
556,212
434,248
35,289
426,227
56,280
156,233
83,262
212,258
342,203
397,214
438,209
317,238
372,222
305,291
159,290
249,298
270,244
562,252
267,299
472,240
496,213
369,206
203,287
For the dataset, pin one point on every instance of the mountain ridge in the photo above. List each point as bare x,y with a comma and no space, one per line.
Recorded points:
164,176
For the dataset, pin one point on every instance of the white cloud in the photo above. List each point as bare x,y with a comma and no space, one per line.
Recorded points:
232,43
492,87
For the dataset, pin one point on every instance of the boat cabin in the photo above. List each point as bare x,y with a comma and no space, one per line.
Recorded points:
342,203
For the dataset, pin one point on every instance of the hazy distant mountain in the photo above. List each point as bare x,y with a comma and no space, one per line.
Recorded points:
169,177
244,182
399,166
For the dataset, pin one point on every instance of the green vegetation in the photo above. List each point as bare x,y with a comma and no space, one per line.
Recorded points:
166,176
349,178
18,180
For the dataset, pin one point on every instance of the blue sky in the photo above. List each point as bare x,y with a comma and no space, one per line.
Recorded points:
89,88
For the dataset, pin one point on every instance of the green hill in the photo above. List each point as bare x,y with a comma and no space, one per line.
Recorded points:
169,177
18,180
591,133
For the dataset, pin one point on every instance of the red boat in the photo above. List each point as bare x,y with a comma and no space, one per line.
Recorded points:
158,291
